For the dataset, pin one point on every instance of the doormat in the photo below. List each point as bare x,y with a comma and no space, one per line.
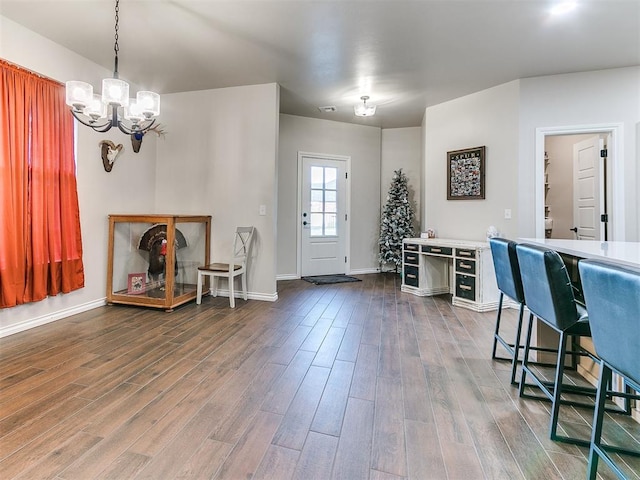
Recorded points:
328,279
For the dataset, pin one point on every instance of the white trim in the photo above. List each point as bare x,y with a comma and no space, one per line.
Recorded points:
347,245
288,276
48,318
616,155
265,297
364,271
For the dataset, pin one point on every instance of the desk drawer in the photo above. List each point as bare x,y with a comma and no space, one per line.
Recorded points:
465,252
466,266
411,276
466,287
437,250
413,247
411,258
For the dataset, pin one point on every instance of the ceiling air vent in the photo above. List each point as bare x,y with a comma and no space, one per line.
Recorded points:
328,108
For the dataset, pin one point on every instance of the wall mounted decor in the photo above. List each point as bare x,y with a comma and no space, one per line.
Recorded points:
465,174
109,152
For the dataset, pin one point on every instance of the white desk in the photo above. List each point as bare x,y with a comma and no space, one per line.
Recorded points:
626,253
432,266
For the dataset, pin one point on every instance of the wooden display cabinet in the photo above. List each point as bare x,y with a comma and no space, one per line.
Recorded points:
142,269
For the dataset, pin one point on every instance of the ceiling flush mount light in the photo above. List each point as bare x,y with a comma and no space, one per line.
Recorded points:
563,7
113,108
364,110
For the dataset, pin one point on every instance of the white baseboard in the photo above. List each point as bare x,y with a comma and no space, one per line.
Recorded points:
50,317
364,271
287,276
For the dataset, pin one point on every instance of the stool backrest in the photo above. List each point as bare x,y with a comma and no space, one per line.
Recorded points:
505,263
612,295
547,288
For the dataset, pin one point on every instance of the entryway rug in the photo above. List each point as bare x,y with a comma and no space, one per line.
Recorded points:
328,279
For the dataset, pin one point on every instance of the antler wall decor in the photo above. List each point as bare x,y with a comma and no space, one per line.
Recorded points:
109,151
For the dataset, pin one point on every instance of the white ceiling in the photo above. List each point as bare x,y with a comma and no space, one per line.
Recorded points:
406,55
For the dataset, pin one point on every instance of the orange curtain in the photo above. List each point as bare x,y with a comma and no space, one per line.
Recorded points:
40,240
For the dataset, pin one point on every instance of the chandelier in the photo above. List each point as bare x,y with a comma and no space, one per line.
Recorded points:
364,110
113,108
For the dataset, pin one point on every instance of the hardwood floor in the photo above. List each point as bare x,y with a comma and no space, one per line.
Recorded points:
349,381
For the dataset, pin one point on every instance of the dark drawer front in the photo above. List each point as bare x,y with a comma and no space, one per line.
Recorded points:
411,247
465,266
411,258
437,250
466,287
464,252
411,276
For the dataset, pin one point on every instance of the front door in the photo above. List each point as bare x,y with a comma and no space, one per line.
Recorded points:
323,216
586,189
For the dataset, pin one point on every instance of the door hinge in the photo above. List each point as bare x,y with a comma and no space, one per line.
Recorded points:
604,153
604,218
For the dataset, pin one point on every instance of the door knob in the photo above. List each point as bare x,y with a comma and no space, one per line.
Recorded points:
304,223
574,229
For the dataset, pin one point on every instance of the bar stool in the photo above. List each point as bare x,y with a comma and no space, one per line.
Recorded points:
549,296
612,295
507,270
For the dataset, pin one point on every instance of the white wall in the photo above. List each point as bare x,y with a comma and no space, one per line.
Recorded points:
402,148
580,99
488,118
218,158
362,144
128,188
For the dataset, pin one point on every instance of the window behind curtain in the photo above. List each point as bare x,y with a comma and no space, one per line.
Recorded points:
40,240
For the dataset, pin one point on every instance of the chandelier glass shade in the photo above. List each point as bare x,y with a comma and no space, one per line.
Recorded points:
364,110
113,108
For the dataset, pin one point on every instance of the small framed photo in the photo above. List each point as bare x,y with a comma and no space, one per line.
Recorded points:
465,174
137,283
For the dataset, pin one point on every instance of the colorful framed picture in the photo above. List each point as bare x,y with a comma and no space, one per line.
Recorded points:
465,175
137,283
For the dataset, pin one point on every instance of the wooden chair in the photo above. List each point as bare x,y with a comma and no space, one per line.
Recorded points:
236,266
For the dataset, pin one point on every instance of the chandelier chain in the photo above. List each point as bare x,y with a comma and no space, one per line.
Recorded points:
116,48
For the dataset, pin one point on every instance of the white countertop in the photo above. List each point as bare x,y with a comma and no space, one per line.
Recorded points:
627,253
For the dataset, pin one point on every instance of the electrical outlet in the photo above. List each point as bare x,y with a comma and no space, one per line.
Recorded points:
263,210
507,213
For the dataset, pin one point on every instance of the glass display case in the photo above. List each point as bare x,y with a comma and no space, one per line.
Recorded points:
143,270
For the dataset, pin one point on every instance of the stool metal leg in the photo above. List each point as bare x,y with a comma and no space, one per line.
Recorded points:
598,417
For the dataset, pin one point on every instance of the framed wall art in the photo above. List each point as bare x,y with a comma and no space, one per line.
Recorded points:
465,174
136,283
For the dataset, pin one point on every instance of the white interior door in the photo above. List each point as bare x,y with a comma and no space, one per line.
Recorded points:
587,179
323,216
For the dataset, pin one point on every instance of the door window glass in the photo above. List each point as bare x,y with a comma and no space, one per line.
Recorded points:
324,204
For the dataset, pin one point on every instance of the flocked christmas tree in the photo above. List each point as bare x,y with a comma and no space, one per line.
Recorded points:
396,223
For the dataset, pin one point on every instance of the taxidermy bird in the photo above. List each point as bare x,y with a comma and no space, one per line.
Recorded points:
157,260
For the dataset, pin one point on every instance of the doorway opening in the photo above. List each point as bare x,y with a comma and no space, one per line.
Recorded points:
572,197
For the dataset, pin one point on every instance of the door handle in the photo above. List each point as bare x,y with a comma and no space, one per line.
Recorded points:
574,229
304,223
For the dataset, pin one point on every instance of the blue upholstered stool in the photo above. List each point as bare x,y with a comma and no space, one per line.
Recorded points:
549,296
505,263
612,295
509,282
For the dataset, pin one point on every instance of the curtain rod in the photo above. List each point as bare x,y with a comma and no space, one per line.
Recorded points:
31,72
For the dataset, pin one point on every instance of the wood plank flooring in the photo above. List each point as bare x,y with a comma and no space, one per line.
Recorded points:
349,381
